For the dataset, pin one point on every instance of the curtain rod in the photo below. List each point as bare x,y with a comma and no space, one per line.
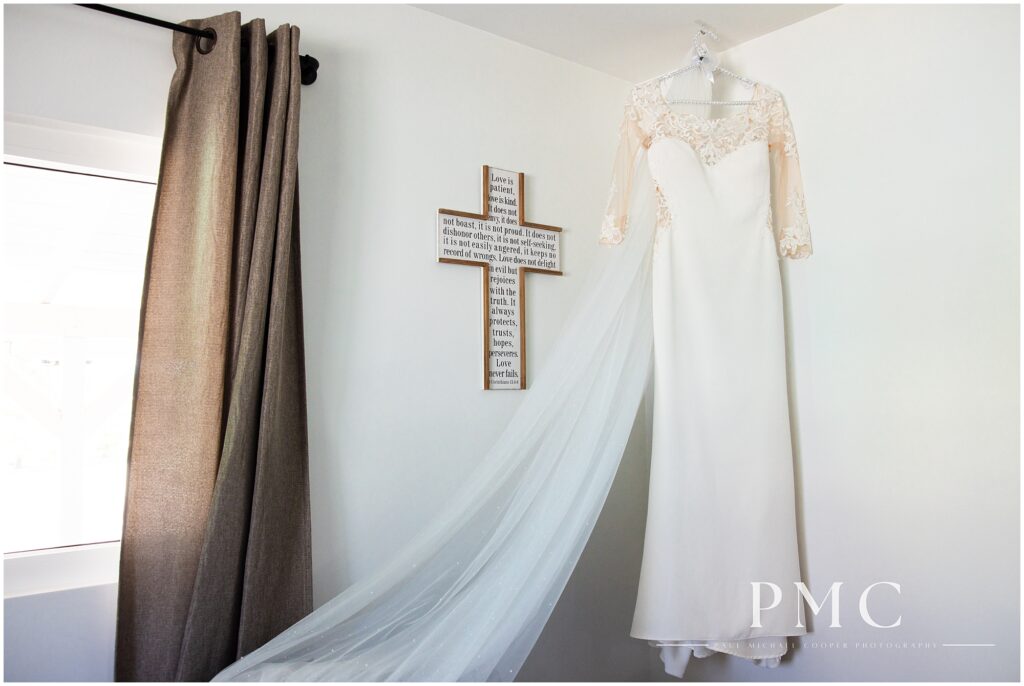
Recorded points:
307,65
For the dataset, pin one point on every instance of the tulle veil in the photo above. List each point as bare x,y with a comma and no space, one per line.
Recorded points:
468,598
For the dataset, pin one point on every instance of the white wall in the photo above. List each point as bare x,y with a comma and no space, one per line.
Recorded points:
406,108
904,333
59,608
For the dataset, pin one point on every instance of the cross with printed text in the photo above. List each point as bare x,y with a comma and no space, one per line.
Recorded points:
505,246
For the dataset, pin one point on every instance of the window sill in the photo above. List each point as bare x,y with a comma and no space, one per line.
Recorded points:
61,569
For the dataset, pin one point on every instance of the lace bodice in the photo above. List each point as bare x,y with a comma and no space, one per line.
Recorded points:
648,118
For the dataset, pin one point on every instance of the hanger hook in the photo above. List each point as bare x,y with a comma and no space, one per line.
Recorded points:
700,47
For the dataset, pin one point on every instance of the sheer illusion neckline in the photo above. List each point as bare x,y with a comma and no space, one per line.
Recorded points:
757,96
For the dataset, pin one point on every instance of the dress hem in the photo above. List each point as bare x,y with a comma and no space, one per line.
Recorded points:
718,640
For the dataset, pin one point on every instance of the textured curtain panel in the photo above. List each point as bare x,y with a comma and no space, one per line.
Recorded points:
215,557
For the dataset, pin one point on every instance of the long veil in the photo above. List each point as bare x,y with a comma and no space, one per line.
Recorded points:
468,598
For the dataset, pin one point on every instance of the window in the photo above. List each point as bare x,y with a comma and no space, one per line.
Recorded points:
72,256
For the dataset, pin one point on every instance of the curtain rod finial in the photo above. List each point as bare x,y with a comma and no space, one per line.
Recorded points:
308,66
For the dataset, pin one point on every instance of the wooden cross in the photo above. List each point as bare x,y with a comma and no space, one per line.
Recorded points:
505,246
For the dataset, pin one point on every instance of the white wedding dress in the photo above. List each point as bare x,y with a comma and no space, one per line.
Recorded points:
721,514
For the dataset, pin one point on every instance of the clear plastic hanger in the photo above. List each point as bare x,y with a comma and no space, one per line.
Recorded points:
702,58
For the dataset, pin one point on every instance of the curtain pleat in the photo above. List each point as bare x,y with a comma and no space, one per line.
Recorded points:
215,554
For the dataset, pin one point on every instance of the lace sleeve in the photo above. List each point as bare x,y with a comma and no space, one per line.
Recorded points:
788,215
613,229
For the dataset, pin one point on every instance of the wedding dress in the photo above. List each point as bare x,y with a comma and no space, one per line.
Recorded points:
721,517
468,599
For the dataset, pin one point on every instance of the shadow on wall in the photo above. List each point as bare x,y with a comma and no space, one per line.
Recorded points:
587,637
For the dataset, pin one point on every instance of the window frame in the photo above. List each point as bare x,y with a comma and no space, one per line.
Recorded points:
76,148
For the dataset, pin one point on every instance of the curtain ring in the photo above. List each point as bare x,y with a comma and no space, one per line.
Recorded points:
205,44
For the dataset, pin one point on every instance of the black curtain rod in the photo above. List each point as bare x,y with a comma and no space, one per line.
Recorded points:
307,65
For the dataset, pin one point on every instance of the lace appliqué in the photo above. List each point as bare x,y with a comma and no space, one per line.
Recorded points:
649,118
664,215
613,230
714,139
795,240
780,128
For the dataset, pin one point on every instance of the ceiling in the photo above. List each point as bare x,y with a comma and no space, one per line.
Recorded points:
632,42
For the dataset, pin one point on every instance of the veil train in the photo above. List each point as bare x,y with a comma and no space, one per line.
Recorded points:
468,598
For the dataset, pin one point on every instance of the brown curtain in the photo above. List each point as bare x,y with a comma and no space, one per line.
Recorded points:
215,556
